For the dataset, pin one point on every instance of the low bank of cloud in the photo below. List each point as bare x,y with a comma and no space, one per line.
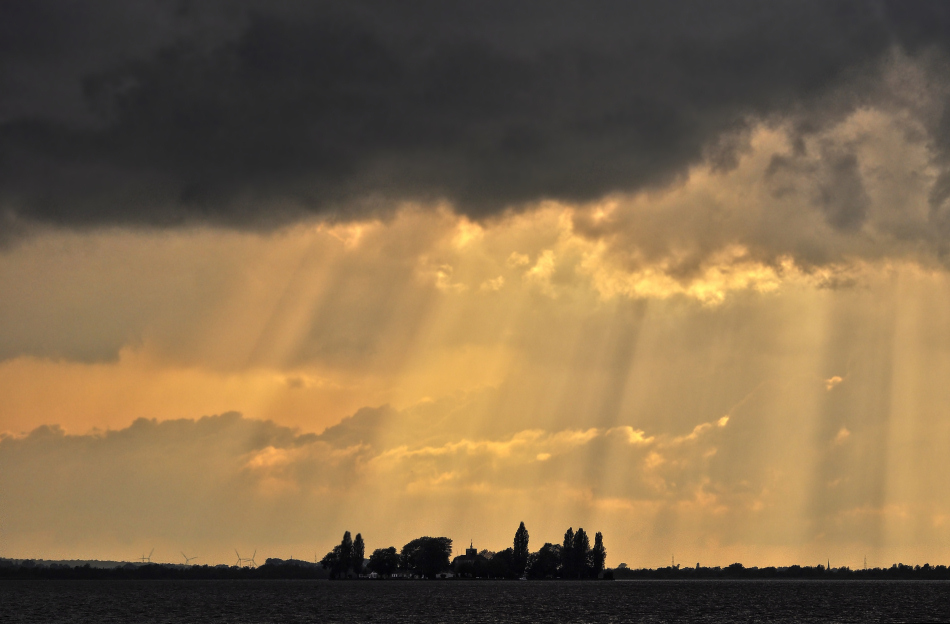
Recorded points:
764,476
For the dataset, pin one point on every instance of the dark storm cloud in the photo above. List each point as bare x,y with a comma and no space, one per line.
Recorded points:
840,195
253,114
843,197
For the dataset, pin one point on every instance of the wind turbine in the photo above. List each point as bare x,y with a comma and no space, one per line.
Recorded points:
148,559
248,561
187,558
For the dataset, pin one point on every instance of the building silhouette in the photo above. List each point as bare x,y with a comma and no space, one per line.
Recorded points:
470,564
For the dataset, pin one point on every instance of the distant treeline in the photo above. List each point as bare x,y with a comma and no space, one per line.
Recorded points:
273,569
303,570
897,571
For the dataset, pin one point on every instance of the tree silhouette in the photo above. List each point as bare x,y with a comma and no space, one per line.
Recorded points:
427,556
383,561
598,554
339,560
580,548
346,552
520,551
501,565
567,554
333,562
545,562
359,550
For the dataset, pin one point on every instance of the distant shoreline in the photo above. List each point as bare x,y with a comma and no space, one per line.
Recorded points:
301,570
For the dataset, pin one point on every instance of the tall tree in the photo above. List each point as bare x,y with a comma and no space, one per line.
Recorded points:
520,555
346,552
580,547
598,554
567,554
359,550
339,560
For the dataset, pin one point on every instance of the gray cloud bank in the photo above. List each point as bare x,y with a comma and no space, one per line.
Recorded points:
253,114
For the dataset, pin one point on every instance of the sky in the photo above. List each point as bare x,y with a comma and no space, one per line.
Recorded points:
677,272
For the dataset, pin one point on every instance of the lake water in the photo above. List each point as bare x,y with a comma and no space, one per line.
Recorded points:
474,601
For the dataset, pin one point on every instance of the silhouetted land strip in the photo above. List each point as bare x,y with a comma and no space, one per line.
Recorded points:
273,569
301,570
898,571
430,558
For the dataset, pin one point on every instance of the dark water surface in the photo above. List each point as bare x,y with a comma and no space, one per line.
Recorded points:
475,601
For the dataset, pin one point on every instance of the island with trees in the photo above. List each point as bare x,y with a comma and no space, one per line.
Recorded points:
430,557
